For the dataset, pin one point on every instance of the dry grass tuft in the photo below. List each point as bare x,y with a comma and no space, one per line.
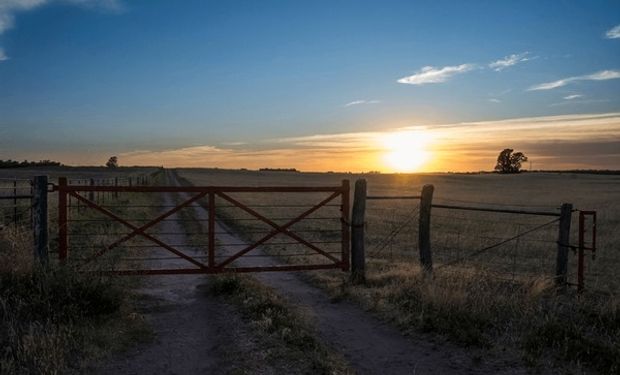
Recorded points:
282,328
16,251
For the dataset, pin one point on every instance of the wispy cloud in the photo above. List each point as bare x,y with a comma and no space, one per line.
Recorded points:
429,74
613,33
8,8
573,96
603,75
358,102
3,55
508,61
457,147
495,100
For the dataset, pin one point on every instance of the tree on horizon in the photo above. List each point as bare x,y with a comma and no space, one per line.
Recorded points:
112,162
507,162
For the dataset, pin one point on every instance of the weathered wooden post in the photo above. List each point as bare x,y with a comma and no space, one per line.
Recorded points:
424,230
39,219
358,256
561,265
116,185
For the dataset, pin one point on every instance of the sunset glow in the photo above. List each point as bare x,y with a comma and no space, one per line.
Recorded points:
406,150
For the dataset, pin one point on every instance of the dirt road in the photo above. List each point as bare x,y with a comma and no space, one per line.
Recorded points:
194,334
370,346
193,329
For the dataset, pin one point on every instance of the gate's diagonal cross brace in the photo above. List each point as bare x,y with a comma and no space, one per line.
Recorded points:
277,228
157,220
140,230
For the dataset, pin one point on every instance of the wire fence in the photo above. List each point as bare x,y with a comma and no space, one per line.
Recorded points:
15,202
510,242
517,242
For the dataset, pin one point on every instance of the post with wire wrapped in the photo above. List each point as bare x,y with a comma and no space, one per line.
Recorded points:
424,232
358,258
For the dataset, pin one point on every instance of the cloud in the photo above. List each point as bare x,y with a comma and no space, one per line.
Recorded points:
8,8
574,96
511,60
429,74
358,102
603,75
566,141
494,100
613,33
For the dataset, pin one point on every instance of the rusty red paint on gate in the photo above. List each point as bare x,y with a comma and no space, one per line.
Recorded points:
210,192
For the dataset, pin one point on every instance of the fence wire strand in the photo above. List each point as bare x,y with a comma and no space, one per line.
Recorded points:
497,244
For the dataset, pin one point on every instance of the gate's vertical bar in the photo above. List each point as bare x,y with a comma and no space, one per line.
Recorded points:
211,229
15,205
91,194
424,230
580,264
561,266
39,219
32,204
62,218
115,185
344,219
358,256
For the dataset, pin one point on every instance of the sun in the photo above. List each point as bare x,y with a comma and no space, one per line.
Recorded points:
406,151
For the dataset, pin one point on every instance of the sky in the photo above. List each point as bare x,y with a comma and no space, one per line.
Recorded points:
313,85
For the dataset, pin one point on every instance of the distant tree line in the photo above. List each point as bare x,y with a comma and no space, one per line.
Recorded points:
23,164
278,170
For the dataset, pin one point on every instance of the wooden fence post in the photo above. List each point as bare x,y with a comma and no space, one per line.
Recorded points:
39,219
116,185
358,256
424,231
561,266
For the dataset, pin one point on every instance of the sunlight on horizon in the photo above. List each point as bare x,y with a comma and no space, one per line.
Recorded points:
407,151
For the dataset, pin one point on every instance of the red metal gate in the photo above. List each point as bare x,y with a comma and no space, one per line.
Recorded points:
83,195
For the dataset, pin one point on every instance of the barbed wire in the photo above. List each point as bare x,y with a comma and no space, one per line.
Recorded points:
497,244
388,239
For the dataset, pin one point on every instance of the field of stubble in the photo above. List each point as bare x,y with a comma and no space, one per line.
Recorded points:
502,299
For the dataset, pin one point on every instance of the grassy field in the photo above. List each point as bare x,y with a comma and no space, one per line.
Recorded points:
502,300
457,233
19,212
56,320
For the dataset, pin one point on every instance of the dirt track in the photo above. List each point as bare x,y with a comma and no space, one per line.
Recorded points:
195,334
192,329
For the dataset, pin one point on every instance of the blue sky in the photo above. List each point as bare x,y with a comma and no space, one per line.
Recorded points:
81,79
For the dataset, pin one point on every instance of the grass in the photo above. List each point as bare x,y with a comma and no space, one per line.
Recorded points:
52,320
502,301
284,331
292,345
57,319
